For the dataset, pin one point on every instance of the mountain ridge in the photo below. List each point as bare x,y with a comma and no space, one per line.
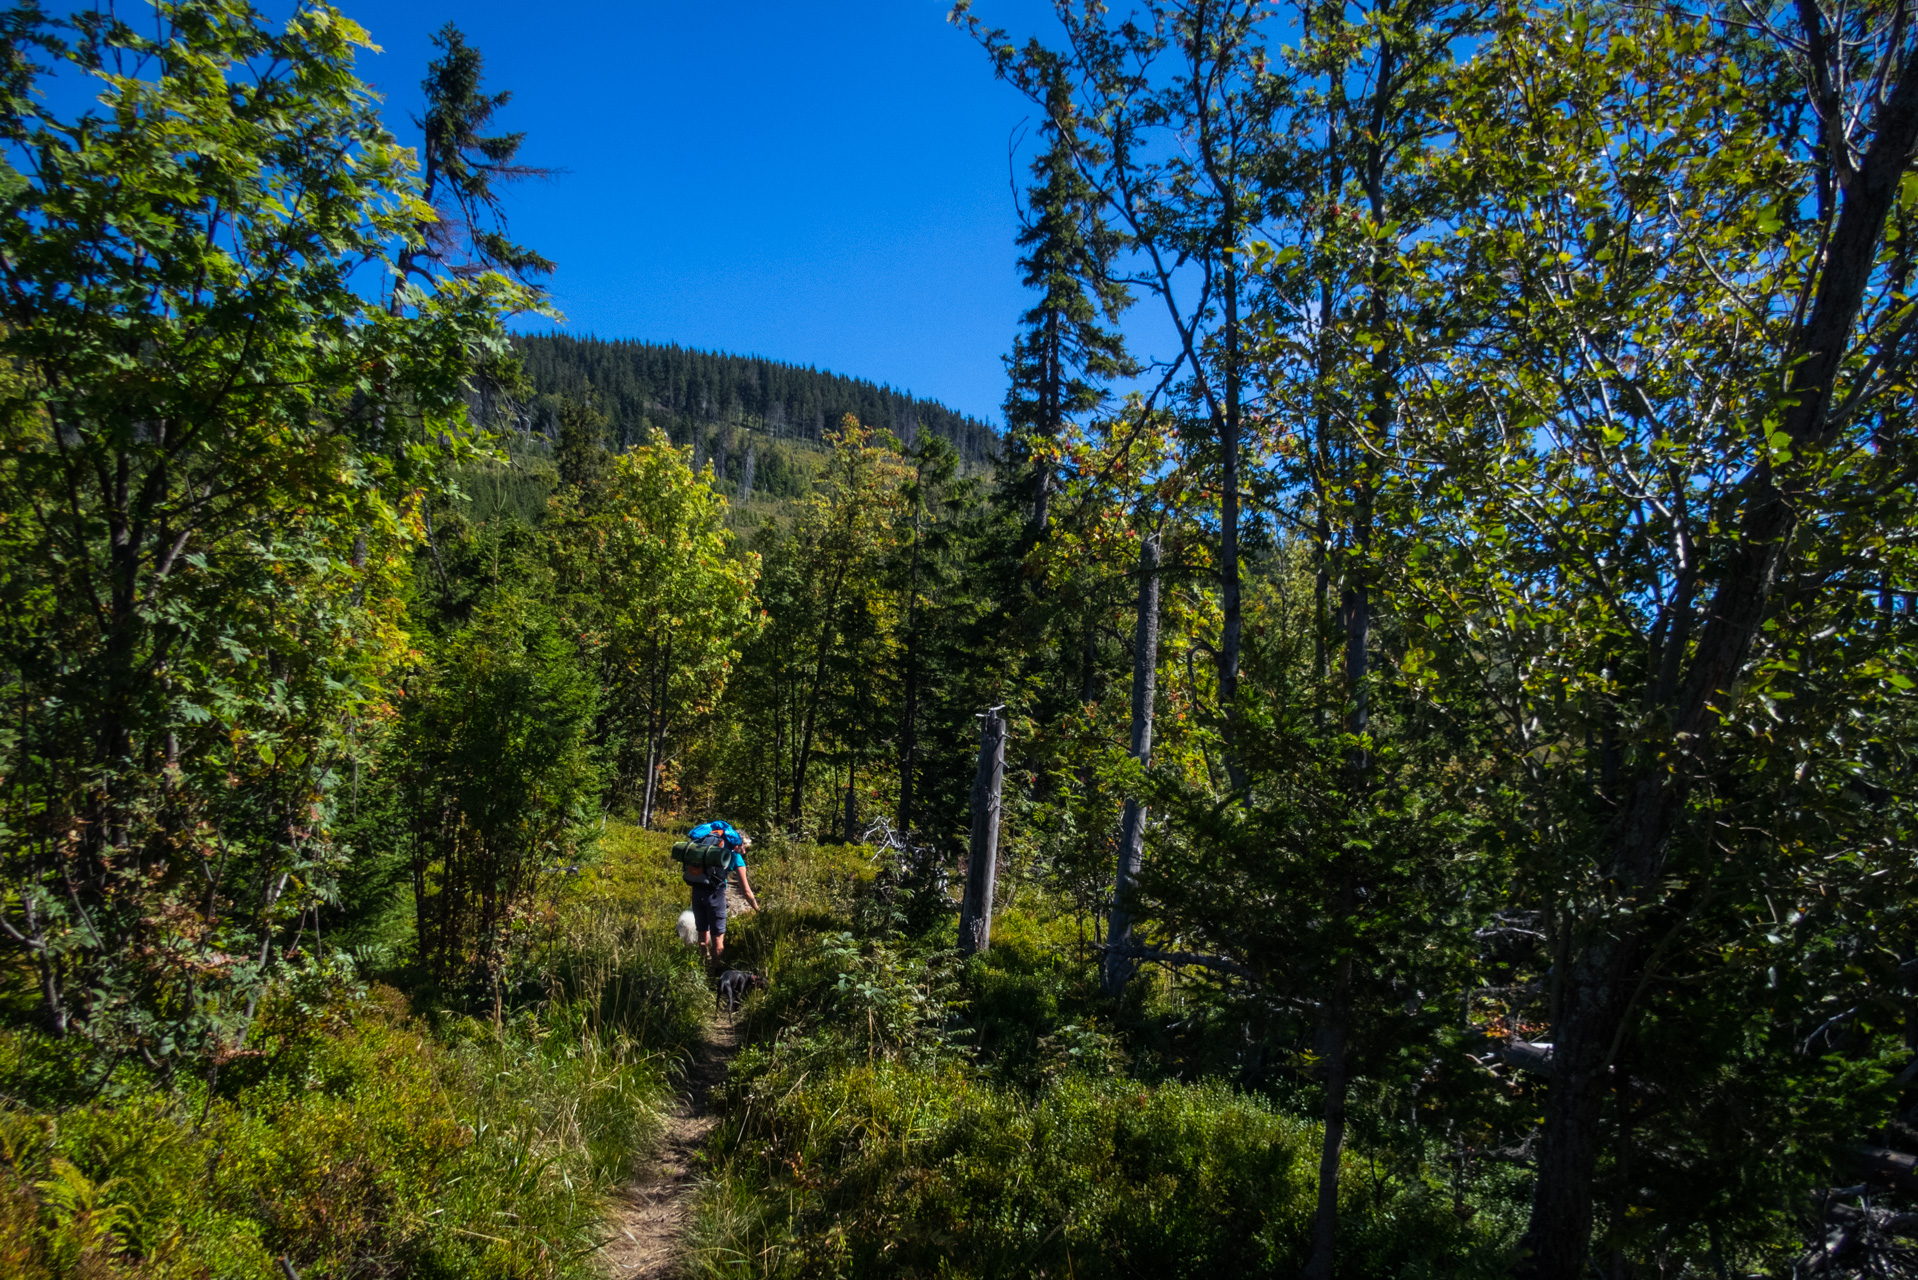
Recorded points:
693,394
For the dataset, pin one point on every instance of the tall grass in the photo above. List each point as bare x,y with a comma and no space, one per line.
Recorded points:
359,1137
629,980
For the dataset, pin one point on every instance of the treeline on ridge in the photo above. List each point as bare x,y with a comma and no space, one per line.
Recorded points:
694,395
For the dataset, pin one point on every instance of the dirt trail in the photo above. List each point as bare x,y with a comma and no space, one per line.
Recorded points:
647,1217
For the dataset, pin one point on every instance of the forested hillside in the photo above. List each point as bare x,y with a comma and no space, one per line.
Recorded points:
695,396
1420,788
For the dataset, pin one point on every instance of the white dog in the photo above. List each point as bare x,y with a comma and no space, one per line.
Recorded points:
688,929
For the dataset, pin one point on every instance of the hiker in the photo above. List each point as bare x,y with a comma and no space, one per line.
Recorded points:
724,853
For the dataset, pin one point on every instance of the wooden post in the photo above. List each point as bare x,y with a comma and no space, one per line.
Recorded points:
982,866
1118,966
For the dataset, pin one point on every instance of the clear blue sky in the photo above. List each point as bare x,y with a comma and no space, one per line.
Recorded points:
824,184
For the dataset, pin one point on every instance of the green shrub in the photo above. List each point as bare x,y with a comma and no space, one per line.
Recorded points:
899,1112
891,1170
838,1000
348,1137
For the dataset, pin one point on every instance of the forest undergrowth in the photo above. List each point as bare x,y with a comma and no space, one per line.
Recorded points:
369,1126
899,1112
895,1112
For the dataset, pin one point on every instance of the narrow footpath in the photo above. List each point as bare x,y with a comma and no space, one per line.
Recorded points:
647,1217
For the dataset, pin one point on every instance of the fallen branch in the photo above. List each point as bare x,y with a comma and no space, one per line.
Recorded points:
1858,1239
1503,931
1521,1154
1904,1224
1523,1055
1884,1163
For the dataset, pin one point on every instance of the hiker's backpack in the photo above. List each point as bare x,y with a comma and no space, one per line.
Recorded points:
706,854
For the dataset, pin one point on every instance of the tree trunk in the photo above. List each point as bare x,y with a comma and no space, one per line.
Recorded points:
852,801
1232,628
652,770
909,703
779,738
1355,617
1333,1051
1042,503
652,774
1145,664
433,549
1621,1176
982,867
803,757
1597,999
656,730
1051,416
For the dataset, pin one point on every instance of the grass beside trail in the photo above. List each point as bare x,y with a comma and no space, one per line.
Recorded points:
364,1133
900,1113
896,1112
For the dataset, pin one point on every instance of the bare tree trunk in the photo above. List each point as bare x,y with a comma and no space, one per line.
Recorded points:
982,868
652,772
1145,666
656,720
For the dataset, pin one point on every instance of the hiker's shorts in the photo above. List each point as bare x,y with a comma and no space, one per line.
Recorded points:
709,907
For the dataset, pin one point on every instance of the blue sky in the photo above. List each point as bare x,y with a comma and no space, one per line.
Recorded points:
823,184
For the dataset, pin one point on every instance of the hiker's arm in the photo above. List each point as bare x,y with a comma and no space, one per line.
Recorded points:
746,887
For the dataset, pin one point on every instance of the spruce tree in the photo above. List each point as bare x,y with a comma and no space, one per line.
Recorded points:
460,165
582,456
1061,363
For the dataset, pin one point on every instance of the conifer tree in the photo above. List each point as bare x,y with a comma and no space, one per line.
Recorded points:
460,165
582,455
1062,360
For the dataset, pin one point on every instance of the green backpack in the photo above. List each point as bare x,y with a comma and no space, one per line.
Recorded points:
706,855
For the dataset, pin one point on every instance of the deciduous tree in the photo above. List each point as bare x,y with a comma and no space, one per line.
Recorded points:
214,457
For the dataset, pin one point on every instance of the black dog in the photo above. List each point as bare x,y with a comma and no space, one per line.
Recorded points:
733,986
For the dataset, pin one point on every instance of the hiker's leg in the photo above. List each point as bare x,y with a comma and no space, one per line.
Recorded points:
703,916
712,923
717,905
